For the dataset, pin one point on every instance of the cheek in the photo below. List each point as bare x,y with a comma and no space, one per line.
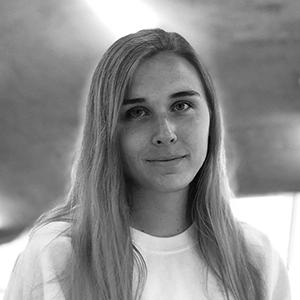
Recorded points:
197,140
196,131
127,149
132,145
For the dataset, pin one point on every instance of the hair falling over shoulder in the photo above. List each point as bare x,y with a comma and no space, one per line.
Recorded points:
105,264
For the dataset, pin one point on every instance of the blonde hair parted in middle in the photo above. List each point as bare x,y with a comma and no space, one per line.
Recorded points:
98,204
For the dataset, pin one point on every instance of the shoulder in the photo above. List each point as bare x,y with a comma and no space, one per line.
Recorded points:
49,244
256,239
54,234
44,259
269,261
260,246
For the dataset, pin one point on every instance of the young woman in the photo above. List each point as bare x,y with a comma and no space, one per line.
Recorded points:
147,215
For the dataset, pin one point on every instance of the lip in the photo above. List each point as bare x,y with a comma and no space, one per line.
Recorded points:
167,158
171,163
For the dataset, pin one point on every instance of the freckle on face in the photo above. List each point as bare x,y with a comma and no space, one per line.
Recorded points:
154,80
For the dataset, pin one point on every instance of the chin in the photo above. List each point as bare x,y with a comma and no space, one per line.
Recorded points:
171,185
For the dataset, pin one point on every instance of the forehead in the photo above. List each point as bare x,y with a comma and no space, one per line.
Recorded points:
165,72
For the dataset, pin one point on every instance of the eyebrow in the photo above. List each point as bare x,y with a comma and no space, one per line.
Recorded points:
172,96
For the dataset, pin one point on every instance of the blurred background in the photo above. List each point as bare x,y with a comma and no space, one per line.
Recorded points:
48,51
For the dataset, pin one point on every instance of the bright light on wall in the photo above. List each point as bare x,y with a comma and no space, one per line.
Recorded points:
124,17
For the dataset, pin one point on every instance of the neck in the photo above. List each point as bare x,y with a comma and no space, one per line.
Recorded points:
160,213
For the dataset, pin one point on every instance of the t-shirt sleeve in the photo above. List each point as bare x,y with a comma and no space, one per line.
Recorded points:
274,270
38,270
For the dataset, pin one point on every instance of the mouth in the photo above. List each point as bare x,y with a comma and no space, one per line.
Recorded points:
164,159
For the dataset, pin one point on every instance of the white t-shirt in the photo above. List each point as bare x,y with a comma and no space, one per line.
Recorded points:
174,269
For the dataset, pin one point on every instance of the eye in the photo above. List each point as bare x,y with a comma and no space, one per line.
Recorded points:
182,106
136,112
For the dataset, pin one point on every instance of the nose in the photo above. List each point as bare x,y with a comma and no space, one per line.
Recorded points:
165,133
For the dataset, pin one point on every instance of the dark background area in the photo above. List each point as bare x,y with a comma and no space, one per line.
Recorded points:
48,51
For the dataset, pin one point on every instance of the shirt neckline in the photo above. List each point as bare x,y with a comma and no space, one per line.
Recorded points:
151,243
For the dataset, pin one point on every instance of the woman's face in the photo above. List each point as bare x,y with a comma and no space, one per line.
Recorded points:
164,124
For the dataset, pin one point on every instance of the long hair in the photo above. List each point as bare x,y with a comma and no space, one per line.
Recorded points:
105,264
